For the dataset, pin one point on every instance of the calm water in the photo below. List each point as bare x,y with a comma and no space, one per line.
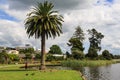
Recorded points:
110,72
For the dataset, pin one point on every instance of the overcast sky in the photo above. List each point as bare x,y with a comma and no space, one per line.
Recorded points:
103,15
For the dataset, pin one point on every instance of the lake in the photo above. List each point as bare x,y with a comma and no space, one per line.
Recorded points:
109,72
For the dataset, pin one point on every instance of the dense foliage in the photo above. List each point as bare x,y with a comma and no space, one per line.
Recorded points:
95,43
76,44
106,55
55,49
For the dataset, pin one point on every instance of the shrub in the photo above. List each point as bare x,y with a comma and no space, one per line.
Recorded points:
92,53
77,54
50,57
14,57
37,56
106,55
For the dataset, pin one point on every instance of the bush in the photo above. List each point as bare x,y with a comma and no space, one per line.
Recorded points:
37,56
106,55
50,57
100,57
78,54
14,57
28,56
92,53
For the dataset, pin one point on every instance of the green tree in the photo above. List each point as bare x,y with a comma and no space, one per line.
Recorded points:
77,54
43,22
4,57
76,43
55,49
37,56
95,43
106,54
27,50
79,34
28,56
92,53
13,57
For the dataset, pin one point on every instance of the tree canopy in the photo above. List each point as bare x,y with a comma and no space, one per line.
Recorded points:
95,43
43,22
55,49
79,33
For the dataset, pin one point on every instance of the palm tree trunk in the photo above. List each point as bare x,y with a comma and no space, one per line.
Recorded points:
42,67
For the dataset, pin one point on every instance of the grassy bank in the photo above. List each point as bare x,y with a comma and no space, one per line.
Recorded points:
13,72
37,75
83,63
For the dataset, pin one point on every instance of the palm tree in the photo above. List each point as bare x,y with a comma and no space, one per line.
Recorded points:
43,22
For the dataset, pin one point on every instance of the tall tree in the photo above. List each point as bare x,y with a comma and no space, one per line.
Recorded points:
76,42
55,49
43,22
79,33
95,42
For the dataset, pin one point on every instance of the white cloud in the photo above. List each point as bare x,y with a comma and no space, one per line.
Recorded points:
87,14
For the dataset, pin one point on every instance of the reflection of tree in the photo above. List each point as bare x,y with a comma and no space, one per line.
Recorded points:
82,70
97,73
106,73
92,73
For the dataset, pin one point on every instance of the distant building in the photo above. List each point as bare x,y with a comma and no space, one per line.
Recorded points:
25,47
12,52
60,55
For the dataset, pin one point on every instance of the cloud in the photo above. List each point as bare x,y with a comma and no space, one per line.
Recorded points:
104,16
59,4
11,33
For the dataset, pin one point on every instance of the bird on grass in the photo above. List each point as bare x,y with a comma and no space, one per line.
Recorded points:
26,74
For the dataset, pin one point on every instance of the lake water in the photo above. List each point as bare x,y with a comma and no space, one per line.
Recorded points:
110,72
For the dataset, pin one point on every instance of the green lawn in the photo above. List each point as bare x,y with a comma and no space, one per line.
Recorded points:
12,72
37,75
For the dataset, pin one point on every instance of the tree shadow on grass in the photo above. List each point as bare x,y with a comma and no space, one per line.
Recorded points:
14,70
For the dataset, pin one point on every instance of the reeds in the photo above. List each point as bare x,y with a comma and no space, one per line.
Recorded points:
84,63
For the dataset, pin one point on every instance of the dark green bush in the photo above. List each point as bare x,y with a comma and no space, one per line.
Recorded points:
106,55
78,54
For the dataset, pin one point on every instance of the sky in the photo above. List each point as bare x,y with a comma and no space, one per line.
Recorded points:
103,15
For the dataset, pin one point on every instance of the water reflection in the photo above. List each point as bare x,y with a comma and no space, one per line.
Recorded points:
110,72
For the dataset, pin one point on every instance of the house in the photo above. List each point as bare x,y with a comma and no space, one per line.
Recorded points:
60,55
12,52
27,46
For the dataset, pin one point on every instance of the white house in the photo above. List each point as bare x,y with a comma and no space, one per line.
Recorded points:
60,55
12,52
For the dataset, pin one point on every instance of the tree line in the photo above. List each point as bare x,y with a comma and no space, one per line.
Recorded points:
95,38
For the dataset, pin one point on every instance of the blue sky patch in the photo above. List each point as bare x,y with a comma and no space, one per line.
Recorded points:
105,2
110,1
3,1
4,15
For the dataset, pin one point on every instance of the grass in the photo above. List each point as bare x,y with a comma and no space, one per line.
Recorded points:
76,64
47,75
12,72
